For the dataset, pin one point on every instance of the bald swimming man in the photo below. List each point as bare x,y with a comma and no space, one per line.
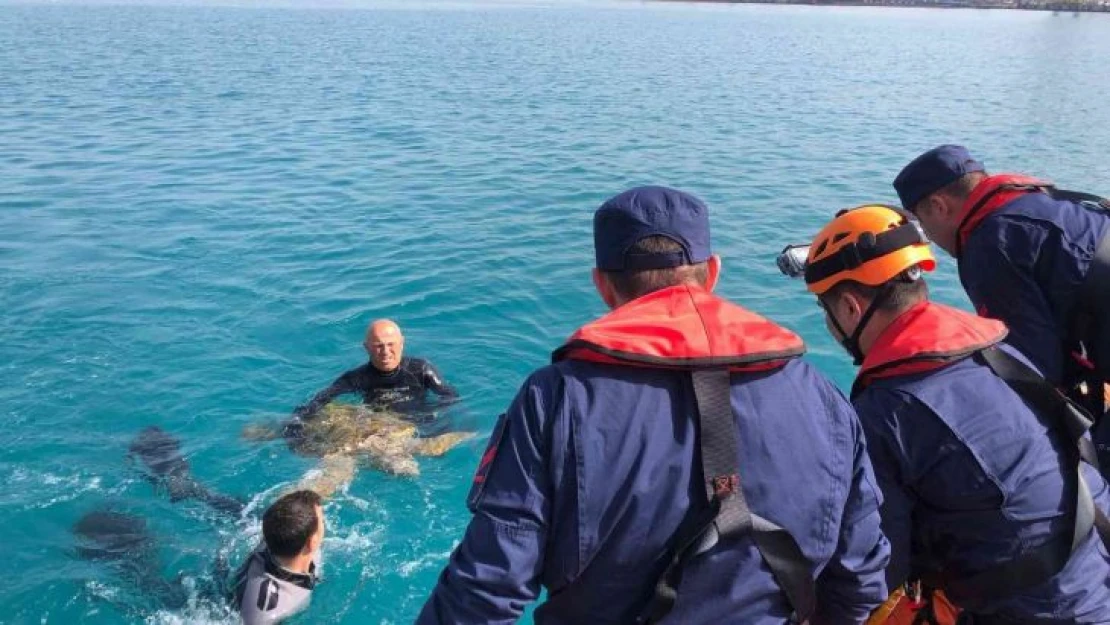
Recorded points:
389,381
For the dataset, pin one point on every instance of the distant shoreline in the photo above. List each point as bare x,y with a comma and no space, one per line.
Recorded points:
1057,6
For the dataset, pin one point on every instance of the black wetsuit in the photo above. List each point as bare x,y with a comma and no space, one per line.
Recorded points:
405,389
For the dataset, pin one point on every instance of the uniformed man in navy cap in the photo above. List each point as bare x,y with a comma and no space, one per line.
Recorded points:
676,463
1029,254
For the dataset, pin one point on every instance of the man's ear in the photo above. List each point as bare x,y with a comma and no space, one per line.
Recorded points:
953,208
850,305
605,289
713,267
313,544
939,207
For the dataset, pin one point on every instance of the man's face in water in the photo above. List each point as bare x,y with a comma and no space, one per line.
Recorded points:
385,346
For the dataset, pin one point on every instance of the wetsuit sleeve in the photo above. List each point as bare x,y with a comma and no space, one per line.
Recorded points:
342,385
495,571
880,412
434,382
853,583
999,269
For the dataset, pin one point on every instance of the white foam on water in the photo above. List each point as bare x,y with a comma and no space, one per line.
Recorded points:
365,505
198,610
43,489
362,538
255,505
100,590
428,560
362,504
198,614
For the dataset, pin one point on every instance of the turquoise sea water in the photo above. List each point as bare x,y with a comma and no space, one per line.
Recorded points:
202,207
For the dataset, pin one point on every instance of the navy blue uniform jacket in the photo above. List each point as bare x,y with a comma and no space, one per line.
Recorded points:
972,478
594,466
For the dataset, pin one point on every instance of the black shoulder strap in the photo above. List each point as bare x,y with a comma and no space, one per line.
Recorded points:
728,515
1067,418
1079,197
1070,420
1062,416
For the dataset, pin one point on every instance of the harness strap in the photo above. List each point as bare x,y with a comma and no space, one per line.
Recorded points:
728,515
1042,563
1065,417
1079,197
1045,399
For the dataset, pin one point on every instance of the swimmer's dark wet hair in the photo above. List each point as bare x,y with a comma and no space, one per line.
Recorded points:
289,522
638,283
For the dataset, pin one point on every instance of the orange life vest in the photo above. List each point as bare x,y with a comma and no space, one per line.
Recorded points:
683,327
991,194
927,337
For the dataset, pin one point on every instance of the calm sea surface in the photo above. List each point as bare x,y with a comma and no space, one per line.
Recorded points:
201,208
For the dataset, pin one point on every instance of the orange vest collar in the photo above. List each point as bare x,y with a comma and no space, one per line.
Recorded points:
971,217
927,337
683,327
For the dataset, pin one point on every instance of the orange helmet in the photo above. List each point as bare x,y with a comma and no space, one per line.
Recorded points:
870,244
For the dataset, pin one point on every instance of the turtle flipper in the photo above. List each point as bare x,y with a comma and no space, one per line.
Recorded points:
394,463
439,445
261,432
335,472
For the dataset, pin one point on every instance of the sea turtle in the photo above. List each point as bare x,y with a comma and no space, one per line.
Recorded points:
340,434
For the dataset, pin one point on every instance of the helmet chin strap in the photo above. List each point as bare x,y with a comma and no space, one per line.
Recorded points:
851,343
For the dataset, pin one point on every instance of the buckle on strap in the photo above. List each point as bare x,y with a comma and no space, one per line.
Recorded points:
725,486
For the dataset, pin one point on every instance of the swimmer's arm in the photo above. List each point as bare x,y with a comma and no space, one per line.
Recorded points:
343,385
435,383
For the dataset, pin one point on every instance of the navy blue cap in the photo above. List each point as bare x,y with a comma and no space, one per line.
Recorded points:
932,171
642,212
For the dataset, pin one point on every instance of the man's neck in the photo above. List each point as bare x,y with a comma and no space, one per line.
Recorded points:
880,321
300,563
